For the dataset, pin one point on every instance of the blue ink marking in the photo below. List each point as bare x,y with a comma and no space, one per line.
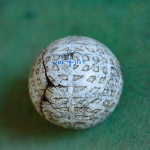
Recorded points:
59,62
76,62
79,62
70,62
55,63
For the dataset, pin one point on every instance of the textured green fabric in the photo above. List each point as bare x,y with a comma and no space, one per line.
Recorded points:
26,27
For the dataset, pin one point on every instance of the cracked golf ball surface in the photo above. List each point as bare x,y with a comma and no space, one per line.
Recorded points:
75,82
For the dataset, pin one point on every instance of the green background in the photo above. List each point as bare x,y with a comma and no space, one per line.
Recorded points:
26,27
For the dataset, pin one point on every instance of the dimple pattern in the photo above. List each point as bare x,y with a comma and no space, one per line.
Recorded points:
88,82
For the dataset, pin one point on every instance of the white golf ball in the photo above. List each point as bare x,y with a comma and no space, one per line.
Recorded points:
75,82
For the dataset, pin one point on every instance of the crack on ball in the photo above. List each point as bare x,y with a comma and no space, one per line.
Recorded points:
49,85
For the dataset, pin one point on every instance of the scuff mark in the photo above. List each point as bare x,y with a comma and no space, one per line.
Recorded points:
71,55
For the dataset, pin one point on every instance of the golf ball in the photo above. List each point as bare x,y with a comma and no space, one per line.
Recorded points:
76,82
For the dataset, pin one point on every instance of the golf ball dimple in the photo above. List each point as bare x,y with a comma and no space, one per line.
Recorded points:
76,82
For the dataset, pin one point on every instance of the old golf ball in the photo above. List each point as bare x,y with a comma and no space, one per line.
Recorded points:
75,82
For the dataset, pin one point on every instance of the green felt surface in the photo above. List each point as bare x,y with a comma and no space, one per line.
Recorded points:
26,27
